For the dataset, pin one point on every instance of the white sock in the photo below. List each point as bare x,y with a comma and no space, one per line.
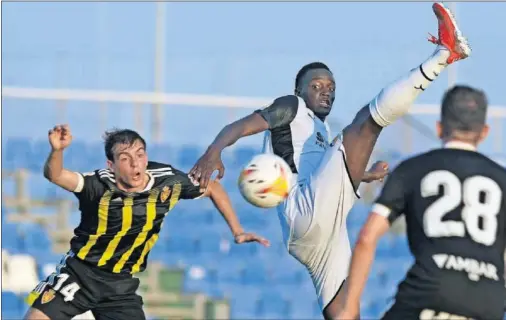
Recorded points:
395,100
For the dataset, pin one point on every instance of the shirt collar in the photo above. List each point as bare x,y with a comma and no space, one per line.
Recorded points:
459,145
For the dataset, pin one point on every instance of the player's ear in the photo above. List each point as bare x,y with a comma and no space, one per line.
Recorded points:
439,129
110,165
484,133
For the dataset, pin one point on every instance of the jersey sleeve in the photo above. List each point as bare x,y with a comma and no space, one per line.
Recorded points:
89,186
391,202
189,189
281,112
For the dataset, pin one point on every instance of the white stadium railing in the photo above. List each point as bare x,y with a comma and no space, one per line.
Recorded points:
496,113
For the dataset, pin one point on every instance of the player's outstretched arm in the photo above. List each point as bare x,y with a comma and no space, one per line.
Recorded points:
60,138
211,160
387,208
280,113
361,261
221,201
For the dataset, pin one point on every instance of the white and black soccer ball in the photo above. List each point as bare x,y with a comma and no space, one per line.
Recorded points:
265,181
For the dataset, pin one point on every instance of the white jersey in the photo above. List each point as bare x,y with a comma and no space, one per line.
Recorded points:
309,137
313,218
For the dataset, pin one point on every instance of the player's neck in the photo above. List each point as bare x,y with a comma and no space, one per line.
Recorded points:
458,144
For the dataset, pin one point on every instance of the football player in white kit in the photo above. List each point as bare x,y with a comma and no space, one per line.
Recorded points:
328,172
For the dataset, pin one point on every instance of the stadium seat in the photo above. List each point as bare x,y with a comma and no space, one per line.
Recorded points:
95,157
11,305
76,157
18,153
11,239
211,243
243,155
302,298
180,244
8,187
283,276
243,250
5,261
163,153
36,240
40,150
244,300
171,280
22,274
230,274
188,155
254,274
272,305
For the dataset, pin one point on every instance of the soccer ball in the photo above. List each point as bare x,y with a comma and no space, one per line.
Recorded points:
265,181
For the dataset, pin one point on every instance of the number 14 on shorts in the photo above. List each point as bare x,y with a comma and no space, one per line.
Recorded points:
69,290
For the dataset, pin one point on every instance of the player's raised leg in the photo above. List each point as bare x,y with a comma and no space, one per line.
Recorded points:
395,100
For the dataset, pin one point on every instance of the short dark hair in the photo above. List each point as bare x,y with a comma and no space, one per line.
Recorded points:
120,136
463,109
308,67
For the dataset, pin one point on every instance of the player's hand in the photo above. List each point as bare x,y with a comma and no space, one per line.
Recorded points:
251,237
205,166
60,137
378,171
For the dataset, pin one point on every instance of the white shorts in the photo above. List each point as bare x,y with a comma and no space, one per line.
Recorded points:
313,220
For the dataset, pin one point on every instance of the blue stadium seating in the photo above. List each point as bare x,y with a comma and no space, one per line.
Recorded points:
11,240
12,306
262,282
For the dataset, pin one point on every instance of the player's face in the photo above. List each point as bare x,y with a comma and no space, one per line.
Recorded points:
129,165
317,88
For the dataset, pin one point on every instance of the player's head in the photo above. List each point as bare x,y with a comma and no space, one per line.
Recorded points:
126,157
463,115
315,84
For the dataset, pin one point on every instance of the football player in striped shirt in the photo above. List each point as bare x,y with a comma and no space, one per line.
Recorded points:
122,211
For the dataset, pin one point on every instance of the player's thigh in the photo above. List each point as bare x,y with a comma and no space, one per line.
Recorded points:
323,200
331,185
128,307
62,294
35,314
52,305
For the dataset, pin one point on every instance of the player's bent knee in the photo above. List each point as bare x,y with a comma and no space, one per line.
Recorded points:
35,314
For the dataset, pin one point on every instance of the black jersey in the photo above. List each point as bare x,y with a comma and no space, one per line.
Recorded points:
455,207
118,229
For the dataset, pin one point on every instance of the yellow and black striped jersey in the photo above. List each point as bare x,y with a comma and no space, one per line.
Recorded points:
118,229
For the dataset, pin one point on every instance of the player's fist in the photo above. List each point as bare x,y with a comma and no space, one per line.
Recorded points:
378,171
60,137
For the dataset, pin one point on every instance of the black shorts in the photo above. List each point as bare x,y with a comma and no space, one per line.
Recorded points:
77,287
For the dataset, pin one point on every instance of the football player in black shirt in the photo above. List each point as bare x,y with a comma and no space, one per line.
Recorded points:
454,202
122,211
